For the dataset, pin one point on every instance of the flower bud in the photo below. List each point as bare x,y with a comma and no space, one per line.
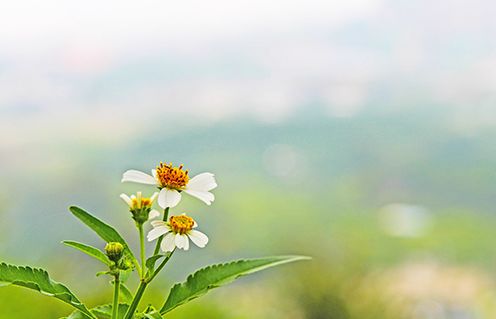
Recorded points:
114,251
125,264
140,207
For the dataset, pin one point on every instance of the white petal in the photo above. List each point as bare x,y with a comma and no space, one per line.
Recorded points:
185,242
168,198
158,223
157,232
154,173
153,214
127,200
206,197
199,238
168,242
203,182
179,241
138,177
154,197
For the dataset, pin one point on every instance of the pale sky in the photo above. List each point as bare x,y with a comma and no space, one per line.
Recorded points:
65,61
124,24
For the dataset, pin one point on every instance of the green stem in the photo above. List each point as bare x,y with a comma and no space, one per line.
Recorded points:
137,298
115,305
159,268
142,249
137,265
144,282
159,241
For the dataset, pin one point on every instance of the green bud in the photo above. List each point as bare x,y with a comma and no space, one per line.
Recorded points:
140,215
125,264
114,251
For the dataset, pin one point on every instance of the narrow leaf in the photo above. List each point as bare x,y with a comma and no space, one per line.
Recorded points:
38,279
105,231
126,295
150,262
215,276
101,273
89,250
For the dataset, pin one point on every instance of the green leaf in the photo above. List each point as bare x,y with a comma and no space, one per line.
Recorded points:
150,262
153,315
38,279
126,295
101,312
76,315
215,276
105,231
105,272
89,250
125,274
105,311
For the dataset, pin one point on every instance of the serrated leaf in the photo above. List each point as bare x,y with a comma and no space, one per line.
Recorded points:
105,231
89,250
101,312
214,276
38,279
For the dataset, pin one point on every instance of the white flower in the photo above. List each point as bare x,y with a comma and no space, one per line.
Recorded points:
178,231
172,181
141,207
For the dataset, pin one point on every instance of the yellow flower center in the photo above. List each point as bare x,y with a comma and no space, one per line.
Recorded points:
138,203
172,177
181,224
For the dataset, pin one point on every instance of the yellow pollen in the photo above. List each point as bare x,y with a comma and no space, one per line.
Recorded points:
172,177
181,224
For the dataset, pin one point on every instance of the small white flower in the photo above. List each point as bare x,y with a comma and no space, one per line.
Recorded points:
177,233
172,181
141,207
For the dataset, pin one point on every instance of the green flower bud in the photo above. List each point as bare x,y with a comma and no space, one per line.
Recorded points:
140,207
125,264
114,251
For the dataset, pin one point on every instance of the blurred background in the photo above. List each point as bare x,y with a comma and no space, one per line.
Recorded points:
360,132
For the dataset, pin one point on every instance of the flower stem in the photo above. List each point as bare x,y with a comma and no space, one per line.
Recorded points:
141,289
159,268
142,250
115,305
137,297
145,281
159,241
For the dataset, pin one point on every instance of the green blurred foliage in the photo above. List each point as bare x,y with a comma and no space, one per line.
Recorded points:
328,205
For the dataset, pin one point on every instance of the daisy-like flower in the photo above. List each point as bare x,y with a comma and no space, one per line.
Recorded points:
141,207
178,231
172,181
